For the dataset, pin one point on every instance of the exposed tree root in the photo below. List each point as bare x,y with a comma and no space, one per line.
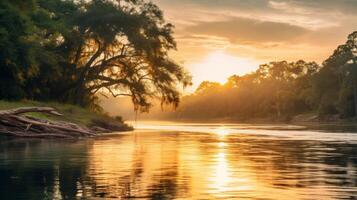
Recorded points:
13,123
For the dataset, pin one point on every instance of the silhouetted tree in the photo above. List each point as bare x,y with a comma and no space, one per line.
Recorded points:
73,50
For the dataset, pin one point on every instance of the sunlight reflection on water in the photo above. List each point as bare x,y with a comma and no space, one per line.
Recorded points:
149,164
222,131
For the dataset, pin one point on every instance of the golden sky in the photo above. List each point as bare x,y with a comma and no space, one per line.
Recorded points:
217,38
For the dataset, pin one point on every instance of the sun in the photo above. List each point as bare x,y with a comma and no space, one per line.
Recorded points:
218,66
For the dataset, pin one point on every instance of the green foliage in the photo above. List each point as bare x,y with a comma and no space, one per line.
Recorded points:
335,85
70,51
16,62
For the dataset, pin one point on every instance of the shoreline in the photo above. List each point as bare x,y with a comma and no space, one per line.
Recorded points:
307,118
31,119
334,125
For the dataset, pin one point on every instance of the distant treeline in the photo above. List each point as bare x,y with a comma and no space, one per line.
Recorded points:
280,90
69,51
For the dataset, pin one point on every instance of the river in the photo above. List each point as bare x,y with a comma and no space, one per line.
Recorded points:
184,161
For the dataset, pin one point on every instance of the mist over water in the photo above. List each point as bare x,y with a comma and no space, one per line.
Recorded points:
185,161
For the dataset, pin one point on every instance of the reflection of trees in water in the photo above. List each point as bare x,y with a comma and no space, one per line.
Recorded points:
282,164
118,186
297,163
36,169
146,178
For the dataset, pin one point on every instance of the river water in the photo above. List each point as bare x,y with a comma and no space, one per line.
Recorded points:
184,161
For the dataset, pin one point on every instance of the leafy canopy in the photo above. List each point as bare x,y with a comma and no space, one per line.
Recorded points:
89,47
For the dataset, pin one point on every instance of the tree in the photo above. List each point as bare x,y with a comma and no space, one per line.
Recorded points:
337,79
121,47
207,86
16,54
72,51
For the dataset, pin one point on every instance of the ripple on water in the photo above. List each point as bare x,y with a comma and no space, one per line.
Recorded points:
224,163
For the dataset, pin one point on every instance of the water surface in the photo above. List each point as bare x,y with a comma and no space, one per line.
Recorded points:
184,161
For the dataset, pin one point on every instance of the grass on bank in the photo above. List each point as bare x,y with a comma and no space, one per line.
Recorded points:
71,113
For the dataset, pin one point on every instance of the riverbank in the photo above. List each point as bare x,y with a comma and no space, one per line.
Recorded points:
65,119
311,121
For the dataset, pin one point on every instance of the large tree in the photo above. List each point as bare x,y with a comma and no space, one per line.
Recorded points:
119,47
72,50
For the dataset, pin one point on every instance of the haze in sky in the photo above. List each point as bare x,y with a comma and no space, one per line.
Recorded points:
235,36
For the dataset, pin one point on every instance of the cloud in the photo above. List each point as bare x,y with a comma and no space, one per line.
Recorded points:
332,6
290,8
249,31
260,29
308,14
341,6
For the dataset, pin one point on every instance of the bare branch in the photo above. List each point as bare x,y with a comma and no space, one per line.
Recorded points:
118,94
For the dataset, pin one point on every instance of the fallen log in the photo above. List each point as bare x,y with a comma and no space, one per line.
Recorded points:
14,123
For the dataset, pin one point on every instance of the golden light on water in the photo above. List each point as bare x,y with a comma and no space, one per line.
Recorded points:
221,176
222,131
211,173
221,144
223,180
204,166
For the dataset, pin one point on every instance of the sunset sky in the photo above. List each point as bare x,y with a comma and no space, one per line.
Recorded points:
217,38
